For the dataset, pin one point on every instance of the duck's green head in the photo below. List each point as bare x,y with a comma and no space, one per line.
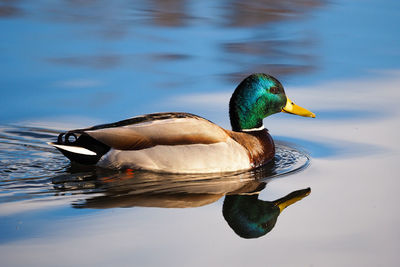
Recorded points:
250,217
257,97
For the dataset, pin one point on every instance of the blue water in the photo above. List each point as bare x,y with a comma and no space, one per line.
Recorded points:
110,61
70,64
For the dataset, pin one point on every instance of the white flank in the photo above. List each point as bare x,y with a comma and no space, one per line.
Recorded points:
195,158
74,149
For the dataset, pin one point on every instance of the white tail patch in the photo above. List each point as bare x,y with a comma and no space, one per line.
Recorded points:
74,149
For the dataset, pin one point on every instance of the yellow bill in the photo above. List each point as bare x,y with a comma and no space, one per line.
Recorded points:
292,108
293,197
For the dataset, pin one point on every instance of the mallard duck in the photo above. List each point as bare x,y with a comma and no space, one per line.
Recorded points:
186,143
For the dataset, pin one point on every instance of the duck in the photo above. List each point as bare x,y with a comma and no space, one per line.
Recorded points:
178,142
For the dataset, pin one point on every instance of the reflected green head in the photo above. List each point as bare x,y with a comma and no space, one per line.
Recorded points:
256,97
251,217
248,216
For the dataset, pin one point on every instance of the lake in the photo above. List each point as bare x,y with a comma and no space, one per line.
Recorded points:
72,64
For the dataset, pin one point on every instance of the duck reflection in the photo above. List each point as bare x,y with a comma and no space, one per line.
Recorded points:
130,188
251,217
248,216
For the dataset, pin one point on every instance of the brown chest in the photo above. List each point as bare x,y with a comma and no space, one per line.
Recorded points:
259,144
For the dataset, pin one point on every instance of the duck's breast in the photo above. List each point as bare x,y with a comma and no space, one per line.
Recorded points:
258,144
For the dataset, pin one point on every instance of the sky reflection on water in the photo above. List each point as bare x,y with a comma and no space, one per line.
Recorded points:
69,64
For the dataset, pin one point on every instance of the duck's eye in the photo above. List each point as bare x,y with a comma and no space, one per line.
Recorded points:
273,90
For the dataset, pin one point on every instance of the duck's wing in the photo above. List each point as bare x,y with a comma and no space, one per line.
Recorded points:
139,133
156,129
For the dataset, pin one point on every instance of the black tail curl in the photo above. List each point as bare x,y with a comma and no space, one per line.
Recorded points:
83,140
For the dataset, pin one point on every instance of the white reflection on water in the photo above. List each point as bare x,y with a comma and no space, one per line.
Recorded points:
78,83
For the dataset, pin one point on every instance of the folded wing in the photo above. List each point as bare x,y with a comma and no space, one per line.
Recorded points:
155,129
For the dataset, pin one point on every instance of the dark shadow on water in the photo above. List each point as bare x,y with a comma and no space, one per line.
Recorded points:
9,10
